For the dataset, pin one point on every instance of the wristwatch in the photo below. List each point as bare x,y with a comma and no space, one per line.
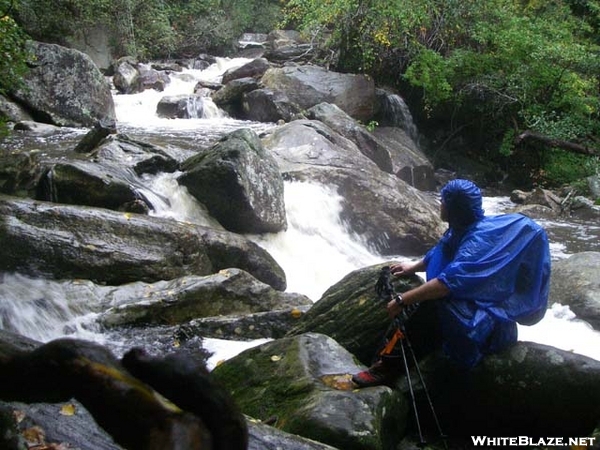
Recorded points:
399,300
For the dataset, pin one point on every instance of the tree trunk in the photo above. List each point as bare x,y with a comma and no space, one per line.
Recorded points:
565,145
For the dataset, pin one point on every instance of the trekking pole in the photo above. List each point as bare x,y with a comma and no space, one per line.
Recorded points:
385,290
422,380
412,392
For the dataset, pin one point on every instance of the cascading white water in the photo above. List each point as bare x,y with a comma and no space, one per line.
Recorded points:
43,310
398,114
315,252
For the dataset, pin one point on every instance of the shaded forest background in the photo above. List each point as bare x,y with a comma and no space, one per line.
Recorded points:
509,88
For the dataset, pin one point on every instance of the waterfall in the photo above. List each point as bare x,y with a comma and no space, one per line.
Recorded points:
395,113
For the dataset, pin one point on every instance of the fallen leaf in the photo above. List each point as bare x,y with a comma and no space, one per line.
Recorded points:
67,409
341,382
34,435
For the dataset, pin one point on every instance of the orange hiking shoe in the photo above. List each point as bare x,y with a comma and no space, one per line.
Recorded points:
382,373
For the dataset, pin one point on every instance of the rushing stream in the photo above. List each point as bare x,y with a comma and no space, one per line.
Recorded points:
315,251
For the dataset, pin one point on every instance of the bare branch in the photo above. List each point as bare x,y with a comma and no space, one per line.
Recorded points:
529,135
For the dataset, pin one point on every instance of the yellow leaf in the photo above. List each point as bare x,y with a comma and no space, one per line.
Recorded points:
275,358
341,382
67,409
127,216
296,313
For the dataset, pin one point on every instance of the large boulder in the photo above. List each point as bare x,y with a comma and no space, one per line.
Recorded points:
61,241
342,123
230,95
129,410
184,106
59,425
64,87
255,69
240,184
91,184
386,212
127,77
528,390
409,163
575,282
265,105
229,292
351,313
20,173
105,176
308,86
303,384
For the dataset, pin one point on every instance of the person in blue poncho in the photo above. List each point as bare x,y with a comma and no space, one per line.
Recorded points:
488,273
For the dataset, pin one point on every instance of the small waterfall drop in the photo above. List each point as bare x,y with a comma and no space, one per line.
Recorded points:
317,249
45,310
395,113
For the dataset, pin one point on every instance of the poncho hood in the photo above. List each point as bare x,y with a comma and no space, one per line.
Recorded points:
463,202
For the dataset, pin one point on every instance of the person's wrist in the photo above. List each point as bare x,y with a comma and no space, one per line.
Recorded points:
399,300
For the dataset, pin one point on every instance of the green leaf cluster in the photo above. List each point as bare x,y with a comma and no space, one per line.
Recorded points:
13,53
147,29
496,67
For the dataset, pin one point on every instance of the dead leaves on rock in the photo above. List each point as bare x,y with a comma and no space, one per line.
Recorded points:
35,436
340,382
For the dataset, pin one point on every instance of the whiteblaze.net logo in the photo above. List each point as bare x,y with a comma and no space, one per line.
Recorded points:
518,441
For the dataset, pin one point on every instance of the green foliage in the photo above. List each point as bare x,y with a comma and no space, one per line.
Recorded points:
150,28
257,16
496,67
431,73
507,142
372,125
13,54
561,167
46,20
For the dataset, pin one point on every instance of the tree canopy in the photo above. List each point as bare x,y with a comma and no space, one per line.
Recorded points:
515,81
519,74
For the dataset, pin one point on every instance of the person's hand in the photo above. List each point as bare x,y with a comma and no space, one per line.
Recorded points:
402,269
393,308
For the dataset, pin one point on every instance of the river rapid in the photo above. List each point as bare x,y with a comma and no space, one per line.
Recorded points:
316,250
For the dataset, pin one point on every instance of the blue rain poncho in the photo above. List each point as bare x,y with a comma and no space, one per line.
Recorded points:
497,269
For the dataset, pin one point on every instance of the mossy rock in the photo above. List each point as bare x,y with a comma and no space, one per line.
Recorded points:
352,314
302,384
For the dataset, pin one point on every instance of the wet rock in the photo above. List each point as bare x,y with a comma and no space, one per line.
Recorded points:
574,282
303,384
240,184
64,87
61,241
